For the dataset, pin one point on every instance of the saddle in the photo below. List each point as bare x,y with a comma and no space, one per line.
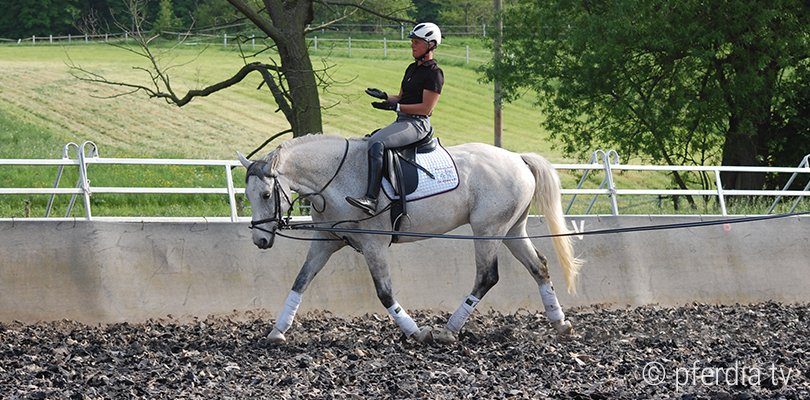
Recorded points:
402,171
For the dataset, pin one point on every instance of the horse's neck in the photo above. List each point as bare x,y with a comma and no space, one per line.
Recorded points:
309,163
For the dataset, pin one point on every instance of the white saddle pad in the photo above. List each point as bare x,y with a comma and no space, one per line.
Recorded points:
443,168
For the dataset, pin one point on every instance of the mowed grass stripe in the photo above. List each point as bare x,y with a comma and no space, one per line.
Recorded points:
37,88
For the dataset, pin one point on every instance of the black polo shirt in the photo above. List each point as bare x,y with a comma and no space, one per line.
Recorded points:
418,78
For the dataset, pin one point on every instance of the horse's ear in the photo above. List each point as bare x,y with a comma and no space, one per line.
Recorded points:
247,163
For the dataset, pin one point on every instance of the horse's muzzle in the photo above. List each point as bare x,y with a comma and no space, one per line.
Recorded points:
266,240
264,243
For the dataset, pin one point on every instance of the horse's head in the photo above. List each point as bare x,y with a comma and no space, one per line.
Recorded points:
269,197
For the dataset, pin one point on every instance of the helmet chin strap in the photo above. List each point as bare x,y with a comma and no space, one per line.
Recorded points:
431,47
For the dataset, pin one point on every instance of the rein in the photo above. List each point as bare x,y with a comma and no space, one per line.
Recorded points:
312,227
282,221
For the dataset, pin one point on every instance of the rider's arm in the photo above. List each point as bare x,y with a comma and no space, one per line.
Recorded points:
429,101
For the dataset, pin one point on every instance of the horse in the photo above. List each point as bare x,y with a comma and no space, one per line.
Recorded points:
496,188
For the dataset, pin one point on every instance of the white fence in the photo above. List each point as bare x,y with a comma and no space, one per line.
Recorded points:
385,30
604,163
347,46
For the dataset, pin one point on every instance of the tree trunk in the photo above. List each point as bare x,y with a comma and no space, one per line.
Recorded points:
302,87
291,18
750,121
740,149
286,27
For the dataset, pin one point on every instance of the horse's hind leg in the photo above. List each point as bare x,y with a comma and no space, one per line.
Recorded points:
537,265
318,255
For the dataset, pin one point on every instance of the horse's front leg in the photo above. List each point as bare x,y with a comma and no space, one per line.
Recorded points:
378,266
318,255
486,276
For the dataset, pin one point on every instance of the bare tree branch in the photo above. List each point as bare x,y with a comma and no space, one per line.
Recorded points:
326,24
168,94
364,8
253,15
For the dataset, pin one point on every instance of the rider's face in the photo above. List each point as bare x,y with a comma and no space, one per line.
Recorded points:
418,47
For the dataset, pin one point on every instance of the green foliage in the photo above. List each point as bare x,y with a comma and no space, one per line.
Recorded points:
465,13
426,10
166,20
371,23
677,82
212,13
26,18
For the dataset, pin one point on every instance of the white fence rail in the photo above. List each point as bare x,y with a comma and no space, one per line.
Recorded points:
395,30
345,45
85,190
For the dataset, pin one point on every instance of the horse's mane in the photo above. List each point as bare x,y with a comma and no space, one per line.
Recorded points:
277,154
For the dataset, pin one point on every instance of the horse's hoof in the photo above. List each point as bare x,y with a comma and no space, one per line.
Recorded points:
563,328
444,336
276,337
424,336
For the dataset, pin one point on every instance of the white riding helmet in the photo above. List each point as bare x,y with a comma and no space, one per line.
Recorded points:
428,32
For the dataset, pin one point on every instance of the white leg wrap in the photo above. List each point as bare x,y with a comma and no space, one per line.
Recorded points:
462,313
552,306
403,320
285,320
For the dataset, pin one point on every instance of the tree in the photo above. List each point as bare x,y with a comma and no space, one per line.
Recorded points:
213,13
426,10
385,10
466,13
166,20
20,19
685,82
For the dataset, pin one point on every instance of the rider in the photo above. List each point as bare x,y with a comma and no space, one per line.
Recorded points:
418,95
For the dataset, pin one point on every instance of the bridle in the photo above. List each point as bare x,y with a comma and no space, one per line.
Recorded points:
281,220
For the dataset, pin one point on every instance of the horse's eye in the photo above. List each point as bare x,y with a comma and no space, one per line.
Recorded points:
266,195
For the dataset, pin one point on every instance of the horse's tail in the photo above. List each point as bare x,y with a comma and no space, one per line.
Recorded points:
547,197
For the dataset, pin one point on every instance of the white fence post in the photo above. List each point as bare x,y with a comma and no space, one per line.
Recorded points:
231,194
50,38
385,48
106,37
720,198
70,38
34,39
86,40
253,42
126,37
224,40
316,42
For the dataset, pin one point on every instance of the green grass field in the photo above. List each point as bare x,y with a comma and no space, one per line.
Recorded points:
42,107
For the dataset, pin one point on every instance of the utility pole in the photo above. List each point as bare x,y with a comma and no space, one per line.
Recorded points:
498,120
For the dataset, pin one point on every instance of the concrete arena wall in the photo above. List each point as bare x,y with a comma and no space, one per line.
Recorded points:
109,272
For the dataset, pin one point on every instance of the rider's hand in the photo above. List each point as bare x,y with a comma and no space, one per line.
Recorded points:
374,92
385,105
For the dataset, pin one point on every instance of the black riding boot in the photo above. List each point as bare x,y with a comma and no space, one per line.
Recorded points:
368,203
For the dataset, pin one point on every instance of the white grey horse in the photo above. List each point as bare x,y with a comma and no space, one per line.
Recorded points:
494,194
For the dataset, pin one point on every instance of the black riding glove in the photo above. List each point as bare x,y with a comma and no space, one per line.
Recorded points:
385,105
374,92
